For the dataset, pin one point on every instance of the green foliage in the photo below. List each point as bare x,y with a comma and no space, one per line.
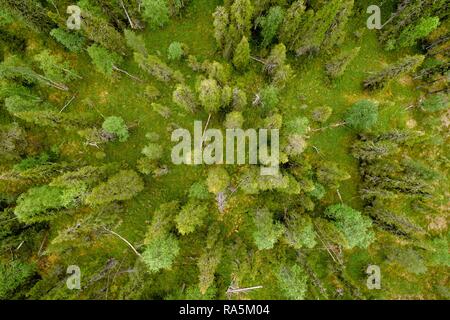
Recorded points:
409,259
135,42
234,120
103,60
266,232
300,233
199,191
116,126
161,253
42,203
155,13
175,51
394,71
270,24
241,57
191,216
13,276
298,126
210,95
337,66
72,41
435,102
293,282
184,98
354,226
412,33
122,186
362,116
321,114
269,98
218,180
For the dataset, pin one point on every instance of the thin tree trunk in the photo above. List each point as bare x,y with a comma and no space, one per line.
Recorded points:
128,17
125,72
243,289
124,240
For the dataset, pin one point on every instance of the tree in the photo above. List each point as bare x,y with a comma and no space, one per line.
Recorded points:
153,151
221,21
175,51
42,203
266,232
210,95
321,114
330,175
191,216
73,41
241,12
155,13
269,98
402,67
234,120
314,28
354,226
122,186
135,42
199,190
362,116
103,60
293,281
218,180
54,68
116,126
241,57
154,66
12,142
13,276
300,232
184,98
409,259
337,66
435,103
412,33
288,32
12,68
270,24
161,253
299,126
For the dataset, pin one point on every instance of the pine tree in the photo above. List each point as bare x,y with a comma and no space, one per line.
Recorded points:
266,232
288,33
155,13
122,186
337,66
210,95
354,226
404,66
362,115
241,57
117,127
270,24
191,216
293,282
184,98
161,254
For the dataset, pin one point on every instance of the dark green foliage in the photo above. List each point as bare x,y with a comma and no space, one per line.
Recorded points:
362,116
13,276
270,24
72,41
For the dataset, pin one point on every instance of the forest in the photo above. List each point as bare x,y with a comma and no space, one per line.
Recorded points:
93,207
